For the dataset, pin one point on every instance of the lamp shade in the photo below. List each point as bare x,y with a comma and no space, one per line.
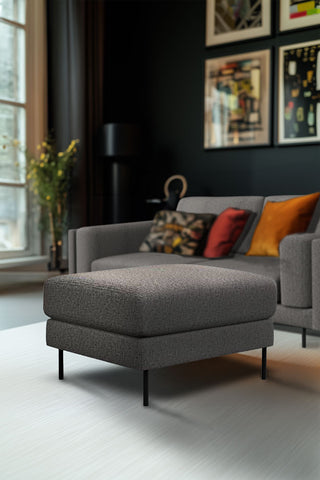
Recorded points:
120,140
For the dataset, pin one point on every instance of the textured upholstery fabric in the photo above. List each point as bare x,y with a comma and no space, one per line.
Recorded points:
297,317
216,205
141,259
225,232
150,301
177,232
280,219
104,240
159,351
268,266
72,251
295,270
316,284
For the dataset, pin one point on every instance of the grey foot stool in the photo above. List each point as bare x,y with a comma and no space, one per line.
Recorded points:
156,316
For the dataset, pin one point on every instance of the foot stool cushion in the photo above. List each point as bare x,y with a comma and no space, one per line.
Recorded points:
159,300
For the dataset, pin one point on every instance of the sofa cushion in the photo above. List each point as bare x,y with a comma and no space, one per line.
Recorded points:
280,219
226,232
267,266
216,205
177,232
148,301
139,259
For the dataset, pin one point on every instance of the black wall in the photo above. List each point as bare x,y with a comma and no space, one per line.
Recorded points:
154,74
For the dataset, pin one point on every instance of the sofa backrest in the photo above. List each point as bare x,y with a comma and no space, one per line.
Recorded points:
314,225
216,205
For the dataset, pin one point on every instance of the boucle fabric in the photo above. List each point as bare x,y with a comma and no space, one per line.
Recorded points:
148,301
159,351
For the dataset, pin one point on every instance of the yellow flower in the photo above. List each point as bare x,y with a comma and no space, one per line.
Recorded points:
41,164
60,172
28,176
44,144
48,197
60,154
42,156
32,161
36,191
15,143
71,146
38,147
74,150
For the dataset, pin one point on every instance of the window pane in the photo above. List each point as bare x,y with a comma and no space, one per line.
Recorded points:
12,124
13,10
12,63
12,218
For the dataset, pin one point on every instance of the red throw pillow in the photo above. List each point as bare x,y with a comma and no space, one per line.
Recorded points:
225,232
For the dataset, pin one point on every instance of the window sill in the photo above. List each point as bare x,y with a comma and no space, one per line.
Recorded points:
22,261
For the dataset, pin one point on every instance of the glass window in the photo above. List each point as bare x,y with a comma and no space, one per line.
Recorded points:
14,10
13,216
12,55
13,126
13,196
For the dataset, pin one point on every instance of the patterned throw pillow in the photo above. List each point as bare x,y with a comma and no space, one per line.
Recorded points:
177,232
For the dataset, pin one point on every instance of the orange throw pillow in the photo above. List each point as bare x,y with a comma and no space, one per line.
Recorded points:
278,220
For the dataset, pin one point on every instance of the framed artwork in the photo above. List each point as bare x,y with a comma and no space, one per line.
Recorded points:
299,93
237,100
299,14
236,20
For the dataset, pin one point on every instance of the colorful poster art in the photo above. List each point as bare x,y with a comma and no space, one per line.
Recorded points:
299,14
234,20
299,93
237,91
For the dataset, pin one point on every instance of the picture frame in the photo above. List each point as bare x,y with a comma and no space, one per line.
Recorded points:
225,24
299,14
299,93
237,100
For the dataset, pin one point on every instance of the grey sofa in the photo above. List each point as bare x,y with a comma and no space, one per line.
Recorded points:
296,272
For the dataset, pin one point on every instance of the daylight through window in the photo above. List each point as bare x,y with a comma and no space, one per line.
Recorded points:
13,197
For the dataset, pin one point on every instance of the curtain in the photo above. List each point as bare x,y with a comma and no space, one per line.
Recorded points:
75,93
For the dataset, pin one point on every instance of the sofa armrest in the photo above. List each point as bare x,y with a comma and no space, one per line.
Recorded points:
315,252
106,240
72,250
295,270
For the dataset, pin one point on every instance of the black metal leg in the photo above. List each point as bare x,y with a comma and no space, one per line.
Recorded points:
264,363
145,388
304,338
60,364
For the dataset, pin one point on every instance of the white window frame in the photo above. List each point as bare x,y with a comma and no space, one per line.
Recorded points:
16,184
36,111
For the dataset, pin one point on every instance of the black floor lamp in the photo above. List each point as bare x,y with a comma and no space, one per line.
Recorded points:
120,143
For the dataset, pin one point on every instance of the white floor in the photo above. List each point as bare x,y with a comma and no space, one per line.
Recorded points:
207,420
21,298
